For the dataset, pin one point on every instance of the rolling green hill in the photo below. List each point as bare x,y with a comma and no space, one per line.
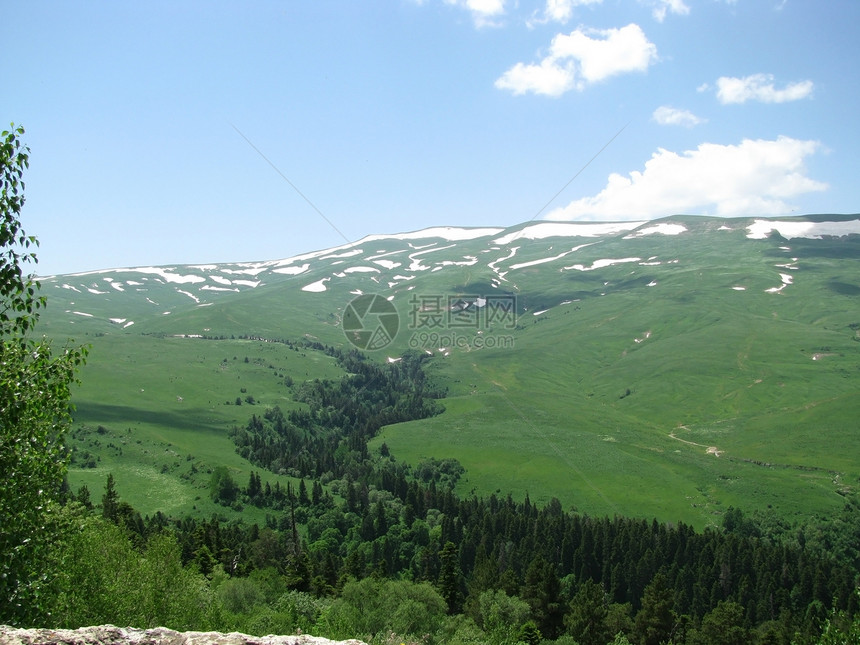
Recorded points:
669,368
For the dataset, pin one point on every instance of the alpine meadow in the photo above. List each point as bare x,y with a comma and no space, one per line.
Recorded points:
375,405
667,369
430,322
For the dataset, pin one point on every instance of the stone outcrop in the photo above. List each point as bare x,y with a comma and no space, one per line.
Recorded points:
110,635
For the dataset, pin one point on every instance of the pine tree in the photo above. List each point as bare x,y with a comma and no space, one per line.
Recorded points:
586,621
449,578
304,500
655,620
110,501
542,591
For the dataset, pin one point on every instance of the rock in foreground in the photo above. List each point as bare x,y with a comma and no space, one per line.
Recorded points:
110,635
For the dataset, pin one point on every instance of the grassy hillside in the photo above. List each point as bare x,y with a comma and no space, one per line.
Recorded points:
155,411
667,369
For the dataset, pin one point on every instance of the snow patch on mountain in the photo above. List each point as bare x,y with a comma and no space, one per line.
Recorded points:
316,287
786,280
189,294
449,233
387,264
523,265
292,270
346,254
662,228
493,266
252,269
416,263
165,274
468,261
761,228
600,264
543,230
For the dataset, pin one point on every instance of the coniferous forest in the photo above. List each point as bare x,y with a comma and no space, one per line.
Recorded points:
367,546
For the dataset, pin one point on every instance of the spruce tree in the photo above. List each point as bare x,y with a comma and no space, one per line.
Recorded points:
449,578
655,620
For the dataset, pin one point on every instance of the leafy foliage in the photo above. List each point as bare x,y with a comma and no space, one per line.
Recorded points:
502,616
34,408
20,302
222,487
840,629
104,579
371,606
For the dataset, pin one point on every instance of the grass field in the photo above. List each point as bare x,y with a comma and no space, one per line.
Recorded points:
665,376
165,406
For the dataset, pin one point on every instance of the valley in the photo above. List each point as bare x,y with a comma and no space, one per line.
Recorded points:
668,369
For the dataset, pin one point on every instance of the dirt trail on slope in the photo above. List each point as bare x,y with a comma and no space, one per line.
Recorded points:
710,450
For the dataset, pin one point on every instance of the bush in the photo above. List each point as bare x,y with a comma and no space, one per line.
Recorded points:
370,607
104,580
240,595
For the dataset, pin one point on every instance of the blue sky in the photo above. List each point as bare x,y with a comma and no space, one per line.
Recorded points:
391,116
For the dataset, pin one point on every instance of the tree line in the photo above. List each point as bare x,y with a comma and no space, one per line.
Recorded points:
503,569
372,548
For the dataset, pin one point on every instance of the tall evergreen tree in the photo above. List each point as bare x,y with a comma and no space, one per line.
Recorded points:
449,578
655,620
110,501
304,500
586,620
542,591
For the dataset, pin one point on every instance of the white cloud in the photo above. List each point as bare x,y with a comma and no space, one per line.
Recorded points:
562,10
759,87
667,115
576,60
547,78
754,177
484,12
662,7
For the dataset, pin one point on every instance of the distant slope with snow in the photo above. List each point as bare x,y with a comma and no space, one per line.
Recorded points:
502,259
667,368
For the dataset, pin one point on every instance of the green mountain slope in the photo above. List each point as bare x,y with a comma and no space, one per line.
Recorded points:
669,368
